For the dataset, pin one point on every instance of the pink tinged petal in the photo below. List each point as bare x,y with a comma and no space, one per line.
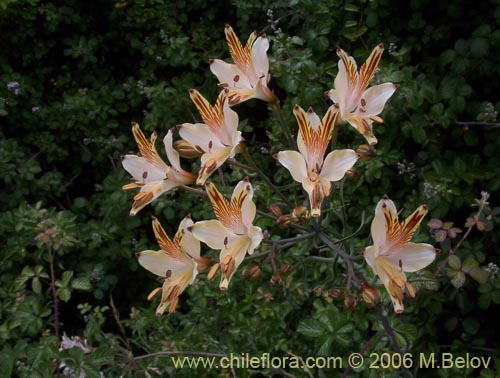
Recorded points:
259,58
412,256
199,134
142,170
374,98
337,163
211,232
295,163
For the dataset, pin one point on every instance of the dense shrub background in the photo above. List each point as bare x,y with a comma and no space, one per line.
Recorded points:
74,74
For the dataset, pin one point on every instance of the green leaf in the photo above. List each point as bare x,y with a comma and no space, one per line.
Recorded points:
28,271
471,325
311,328
469,264
454,262
458,279
424,279
479,275
64,294
81,283
36,285
484,301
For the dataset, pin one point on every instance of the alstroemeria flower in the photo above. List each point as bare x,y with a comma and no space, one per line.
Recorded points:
150,173
177,262
217,139
248,77
392,253
233,232
360,106
308,166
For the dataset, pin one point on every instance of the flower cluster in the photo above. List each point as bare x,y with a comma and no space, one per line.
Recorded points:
217,139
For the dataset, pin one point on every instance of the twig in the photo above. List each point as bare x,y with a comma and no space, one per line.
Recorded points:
55,300
483,203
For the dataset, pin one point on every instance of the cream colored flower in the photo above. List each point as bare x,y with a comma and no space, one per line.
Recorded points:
360,106
218,138
392,253
308,167
150,173
233,232
177,262
248,77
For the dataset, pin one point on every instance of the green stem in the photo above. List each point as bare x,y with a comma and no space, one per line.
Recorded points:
294,239
264,177
344,255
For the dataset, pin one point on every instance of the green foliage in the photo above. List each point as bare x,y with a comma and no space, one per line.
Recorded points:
74,75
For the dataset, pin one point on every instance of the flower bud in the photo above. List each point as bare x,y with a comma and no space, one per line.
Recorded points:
285,267
276,279
334,293
366,152
350,301
186,150
370,295
284,221
252,272
353,172
275,210
301,214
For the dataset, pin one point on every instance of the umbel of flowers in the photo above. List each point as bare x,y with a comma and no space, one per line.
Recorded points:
217,139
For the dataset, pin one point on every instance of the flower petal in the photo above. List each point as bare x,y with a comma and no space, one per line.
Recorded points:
212,160
147,148
199,134
368,68
259,58
142,170
295,163
378,227
337,163
231,257
374,99
413,256
363,125
256,236
211,232
159,263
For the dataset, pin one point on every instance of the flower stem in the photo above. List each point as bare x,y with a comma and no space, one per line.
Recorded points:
264,177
